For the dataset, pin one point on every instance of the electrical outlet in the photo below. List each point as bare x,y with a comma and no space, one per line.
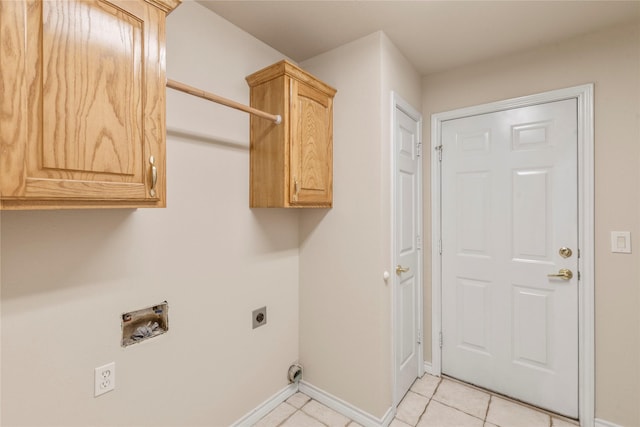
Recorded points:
105,379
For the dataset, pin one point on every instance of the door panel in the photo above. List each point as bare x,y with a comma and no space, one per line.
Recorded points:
532,221
530,343
509,203
311,146
406,252
474,303
473,213
79,40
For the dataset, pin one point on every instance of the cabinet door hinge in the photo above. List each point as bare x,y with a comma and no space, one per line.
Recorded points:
419,241
439,150
440,246
419,336
441,340
419,149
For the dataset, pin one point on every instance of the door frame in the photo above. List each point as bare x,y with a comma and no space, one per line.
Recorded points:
398,103
586,285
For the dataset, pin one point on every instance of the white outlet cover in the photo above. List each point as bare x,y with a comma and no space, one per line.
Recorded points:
621,242
104,379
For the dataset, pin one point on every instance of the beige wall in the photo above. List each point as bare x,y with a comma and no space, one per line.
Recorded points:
611,60
67,276
345,341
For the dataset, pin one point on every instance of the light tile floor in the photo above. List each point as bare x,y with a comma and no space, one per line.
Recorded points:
431,402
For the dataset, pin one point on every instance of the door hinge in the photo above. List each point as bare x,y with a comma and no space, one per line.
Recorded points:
419,337
419,241
439,150
419,149
440,246
578,275
441,340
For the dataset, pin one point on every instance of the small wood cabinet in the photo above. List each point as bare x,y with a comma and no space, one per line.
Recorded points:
291,163
82,120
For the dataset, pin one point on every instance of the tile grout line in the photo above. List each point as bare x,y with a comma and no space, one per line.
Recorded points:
486,414
286,419
459,410
311,416
430,399
424,411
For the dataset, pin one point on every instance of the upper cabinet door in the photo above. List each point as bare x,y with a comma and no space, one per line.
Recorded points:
87,122
311,154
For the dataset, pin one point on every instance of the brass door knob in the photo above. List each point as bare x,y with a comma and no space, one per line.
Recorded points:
564,274
400,269
565,252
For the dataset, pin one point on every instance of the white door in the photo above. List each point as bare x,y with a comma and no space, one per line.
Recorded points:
407,279
509,220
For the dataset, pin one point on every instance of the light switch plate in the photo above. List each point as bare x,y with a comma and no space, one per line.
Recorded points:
621,242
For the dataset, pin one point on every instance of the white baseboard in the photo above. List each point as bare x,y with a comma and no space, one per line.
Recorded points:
344,408
428,368
267,406
603,423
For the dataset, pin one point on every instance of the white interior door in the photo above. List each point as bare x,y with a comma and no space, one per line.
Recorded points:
407,272
509,207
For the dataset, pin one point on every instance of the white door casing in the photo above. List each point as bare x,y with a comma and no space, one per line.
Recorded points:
406,272
529,352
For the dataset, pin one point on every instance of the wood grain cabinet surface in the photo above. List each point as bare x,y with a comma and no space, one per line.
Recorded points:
82,111
291,164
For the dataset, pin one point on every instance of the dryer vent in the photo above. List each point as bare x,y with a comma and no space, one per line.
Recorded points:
295,373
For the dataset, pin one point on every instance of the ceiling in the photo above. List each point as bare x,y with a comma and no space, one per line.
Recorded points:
433,35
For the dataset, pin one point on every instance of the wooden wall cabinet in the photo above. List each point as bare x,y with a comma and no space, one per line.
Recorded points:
83,103
291,163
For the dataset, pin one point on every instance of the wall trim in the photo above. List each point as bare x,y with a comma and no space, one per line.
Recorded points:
603,423
586,226
267,406
428,368
344,408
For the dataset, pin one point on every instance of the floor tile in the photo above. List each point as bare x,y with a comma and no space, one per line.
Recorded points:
510,414
557,422
300,419
354,424
411,407
439,415
326,415
426,385
298,400
462,397
278,415
397,423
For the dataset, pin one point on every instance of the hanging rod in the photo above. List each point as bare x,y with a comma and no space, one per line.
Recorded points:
276,118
